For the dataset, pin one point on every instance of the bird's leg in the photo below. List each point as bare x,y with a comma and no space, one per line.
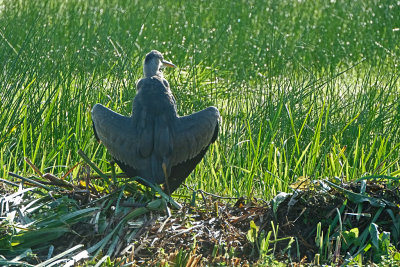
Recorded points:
114,176
164,167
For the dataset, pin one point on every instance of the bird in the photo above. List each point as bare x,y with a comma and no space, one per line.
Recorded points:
155,143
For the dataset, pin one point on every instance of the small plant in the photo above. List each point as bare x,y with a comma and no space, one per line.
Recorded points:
350,238
379,244
395,233
323,244
261,243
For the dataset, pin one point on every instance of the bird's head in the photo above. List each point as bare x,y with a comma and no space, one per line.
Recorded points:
154,63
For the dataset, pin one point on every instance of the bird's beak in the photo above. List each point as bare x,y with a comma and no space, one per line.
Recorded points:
168,64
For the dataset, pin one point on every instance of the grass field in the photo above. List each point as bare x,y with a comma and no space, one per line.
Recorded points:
305,88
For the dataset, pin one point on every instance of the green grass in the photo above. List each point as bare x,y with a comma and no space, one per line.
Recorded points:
305,88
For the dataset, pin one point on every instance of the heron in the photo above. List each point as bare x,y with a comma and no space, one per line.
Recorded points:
155,143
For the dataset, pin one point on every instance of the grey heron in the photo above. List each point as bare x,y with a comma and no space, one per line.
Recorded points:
155,143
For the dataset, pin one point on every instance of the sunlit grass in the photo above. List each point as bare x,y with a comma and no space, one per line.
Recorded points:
305,88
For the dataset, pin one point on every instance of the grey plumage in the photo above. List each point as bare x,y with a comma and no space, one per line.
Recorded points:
154,135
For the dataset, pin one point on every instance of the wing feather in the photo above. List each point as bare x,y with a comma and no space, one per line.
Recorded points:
193,133
119,135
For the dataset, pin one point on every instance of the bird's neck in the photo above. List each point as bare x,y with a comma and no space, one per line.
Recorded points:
152,69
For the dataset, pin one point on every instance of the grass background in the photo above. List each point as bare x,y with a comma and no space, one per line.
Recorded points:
305,88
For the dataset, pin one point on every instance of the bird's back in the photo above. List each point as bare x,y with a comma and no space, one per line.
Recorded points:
154,97
154,117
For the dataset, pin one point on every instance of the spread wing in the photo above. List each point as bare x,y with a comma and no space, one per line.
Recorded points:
194,133
119,135
155,136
